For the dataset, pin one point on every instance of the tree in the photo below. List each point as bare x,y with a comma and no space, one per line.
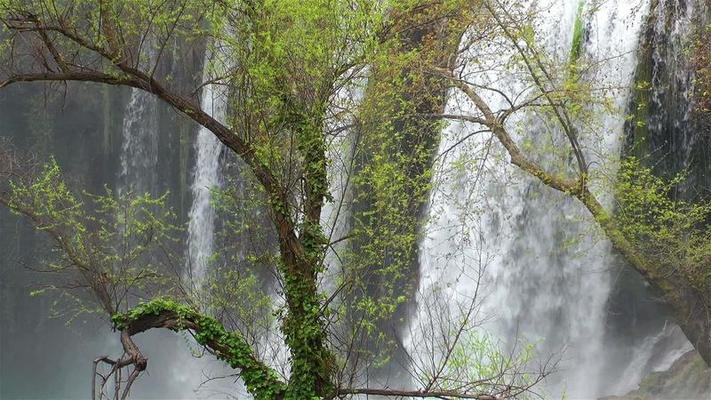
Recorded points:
284,64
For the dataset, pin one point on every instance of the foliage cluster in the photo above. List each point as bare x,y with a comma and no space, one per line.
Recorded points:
676,233
120,247
701,60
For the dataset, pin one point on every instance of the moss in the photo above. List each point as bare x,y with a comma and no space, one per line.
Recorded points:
261,381
578,34
701,64
637,127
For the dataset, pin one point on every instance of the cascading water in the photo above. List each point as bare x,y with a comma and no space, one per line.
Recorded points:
202,235
655,353
675,134
139,147
139,175
671,138
672,77
201,226
496,231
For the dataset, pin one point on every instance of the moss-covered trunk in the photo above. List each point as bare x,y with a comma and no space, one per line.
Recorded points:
396,140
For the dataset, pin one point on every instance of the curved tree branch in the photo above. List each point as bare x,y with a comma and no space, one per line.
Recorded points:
134,77
161,313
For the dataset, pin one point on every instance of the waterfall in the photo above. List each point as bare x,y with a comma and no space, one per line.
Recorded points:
672,84
139,146
531,255
671,141
655,353
340,153
188,370
201,226
138,174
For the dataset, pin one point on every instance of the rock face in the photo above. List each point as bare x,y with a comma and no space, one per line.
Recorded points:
687,378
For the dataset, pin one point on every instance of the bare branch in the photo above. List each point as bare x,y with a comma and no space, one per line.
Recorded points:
443,394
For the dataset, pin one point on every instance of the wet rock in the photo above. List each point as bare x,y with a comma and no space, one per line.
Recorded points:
687,378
